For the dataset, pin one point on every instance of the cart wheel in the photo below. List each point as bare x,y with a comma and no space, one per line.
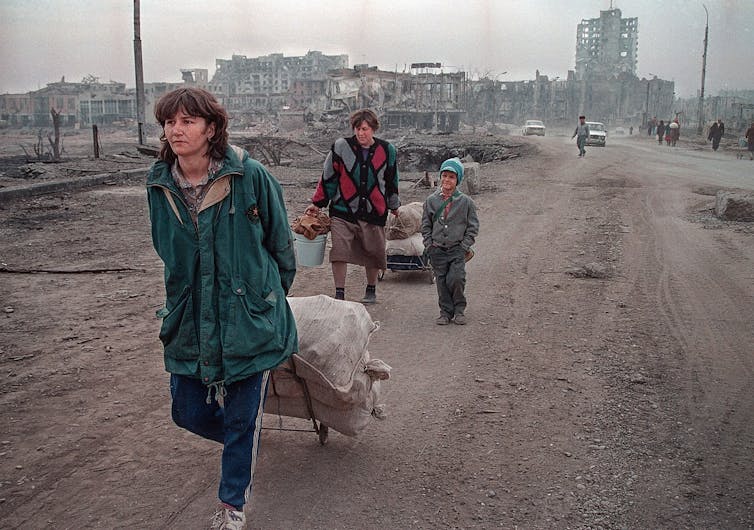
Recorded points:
323,431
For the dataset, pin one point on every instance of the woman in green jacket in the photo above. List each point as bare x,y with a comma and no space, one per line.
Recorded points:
220,226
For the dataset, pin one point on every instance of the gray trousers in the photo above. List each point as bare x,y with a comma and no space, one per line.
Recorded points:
449,267
581,144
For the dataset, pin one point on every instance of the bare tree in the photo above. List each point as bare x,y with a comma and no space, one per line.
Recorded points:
55,134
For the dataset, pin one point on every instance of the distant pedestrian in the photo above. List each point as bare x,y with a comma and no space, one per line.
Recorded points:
631,130
581,134
449,228
675,131
660,132
749,135
716,132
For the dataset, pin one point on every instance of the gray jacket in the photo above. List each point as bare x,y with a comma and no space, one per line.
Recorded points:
582,131
461,226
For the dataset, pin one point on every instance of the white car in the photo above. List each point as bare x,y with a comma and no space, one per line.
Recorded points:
597,133
535,127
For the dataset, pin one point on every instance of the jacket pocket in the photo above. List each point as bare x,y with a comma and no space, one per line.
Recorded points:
178,332
254,322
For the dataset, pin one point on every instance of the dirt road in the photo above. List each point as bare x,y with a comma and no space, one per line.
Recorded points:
604,379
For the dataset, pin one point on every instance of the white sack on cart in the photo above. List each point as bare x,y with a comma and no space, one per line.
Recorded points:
411,246
334,363
406,223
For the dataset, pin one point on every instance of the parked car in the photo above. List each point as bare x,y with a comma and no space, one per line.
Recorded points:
597,133
533,127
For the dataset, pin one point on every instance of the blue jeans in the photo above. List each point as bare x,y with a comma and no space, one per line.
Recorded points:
236,425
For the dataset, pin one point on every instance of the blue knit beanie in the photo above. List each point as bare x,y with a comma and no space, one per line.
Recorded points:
454,165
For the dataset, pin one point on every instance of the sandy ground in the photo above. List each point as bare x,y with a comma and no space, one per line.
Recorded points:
604,379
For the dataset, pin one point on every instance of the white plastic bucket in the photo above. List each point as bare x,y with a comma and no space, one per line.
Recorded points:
309,252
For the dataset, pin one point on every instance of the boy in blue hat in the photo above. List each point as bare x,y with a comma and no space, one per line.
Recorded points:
449,229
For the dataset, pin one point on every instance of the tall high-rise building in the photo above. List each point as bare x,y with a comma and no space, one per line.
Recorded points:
606,46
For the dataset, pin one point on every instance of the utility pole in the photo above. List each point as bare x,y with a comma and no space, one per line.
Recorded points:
139,73
700,127
645,122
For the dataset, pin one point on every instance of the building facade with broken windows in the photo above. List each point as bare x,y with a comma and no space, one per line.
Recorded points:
249,86
607,46
79,104
424,98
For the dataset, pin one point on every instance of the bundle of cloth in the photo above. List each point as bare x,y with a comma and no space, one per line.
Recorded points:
332,376
311,226
403,231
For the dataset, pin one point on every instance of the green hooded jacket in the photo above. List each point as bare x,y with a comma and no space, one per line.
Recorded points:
225,316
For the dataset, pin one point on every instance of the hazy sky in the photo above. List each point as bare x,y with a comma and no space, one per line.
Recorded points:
43,40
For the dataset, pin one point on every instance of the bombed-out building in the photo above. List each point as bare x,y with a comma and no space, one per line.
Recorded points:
607,46
84,103
603,84
267,84
432,99
426,97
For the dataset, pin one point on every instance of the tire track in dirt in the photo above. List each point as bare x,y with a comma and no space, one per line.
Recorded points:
677,272
695,298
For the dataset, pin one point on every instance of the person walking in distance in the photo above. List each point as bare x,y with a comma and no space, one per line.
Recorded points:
675,132
360,184
660,132
716,132
582,135
749,135
220,227
449,228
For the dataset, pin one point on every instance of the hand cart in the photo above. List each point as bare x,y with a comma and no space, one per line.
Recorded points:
399,262
287,369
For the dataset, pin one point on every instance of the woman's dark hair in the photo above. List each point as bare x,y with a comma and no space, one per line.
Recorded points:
194,102
367,116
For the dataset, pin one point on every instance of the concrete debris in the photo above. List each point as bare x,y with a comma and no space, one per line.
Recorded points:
734,206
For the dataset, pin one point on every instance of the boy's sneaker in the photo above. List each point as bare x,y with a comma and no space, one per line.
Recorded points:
460,319
442,320
228,518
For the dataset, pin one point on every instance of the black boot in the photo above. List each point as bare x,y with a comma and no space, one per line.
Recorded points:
370,296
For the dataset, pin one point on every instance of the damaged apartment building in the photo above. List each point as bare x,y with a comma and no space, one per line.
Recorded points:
603,85
423,98
258,87
322,87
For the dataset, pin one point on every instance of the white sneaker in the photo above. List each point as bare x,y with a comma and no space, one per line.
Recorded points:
226,518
